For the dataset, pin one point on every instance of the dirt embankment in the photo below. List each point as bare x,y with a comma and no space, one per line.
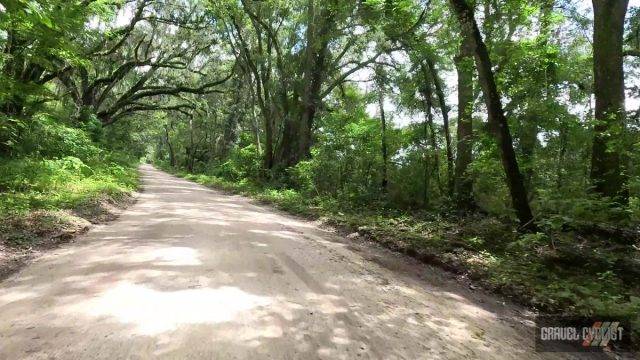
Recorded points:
23,238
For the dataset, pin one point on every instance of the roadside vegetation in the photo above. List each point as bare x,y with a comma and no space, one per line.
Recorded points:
557,269
55,184
60,167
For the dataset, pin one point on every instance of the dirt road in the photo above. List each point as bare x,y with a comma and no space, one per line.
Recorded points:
191,273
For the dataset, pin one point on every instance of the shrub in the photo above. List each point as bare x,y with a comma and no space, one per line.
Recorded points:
48,138
302,175
30,183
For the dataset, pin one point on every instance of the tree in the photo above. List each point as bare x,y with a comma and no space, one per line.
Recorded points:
464,145
39,46
294,70
497,119
139,62
444,110
607,170
380,80
429,136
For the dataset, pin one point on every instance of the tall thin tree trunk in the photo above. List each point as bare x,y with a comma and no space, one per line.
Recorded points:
383,121
268,142
529,129
607,172
464,145
429,136
433,142
562,138
254,122
172,155
191,148
426,175
442,101
497,119
528,142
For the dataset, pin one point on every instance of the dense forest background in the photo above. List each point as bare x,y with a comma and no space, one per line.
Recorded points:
495,138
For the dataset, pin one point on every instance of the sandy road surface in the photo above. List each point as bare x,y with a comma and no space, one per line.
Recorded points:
190,273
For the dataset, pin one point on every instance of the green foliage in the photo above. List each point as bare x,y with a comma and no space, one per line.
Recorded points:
32,184
302,176
346,160
49,138
247,160
242,163
287,199
562,211
490,189
56,166
41,36
10,129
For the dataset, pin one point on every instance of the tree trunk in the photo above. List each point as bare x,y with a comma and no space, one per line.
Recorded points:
437,81
427,177
288,150
190,150
172,155
497,119
254,123
430,136
464,146
230,131
268,143
528,143
383,121
607,172
297,135
256,130
311,98
563,139
528,135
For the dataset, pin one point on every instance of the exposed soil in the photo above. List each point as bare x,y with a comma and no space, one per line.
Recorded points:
25,238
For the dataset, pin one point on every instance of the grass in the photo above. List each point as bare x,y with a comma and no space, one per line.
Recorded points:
40,184
553,272
43,198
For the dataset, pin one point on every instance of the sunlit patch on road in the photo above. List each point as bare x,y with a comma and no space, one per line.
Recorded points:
153,312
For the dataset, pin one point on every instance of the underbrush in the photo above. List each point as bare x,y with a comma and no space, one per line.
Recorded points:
47,200
56,178
55,166
557,270
52,184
